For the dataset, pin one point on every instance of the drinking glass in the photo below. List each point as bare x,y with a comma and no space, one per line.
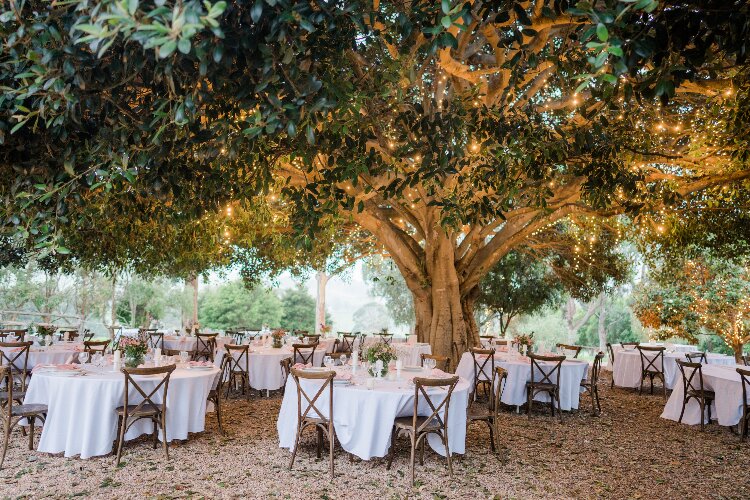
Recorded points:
343,359
96,359
83,357
328,361
184,356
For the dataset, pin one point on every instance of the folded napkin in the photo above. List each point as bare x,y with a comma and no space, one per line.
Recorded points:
66,366
200,363
343,376
437,372
300,365
502,348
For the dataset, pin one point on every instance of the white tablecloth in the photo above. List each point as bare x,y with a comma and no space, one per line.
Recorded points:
627,368
48,355
667,345
265,366
82,419
363,419
188,343
727,407
573,371
410,354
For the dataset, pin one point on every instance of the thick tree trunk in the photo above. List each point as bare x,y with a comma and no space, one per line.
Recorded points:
320,301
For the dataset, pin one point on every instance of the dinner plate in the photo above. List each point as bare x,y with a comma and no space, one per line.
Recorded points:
341,382
65,373
411,368
200,367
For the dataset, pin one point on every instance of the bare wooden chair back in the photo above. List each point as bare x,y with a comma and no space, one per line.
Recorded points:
15,356
441,362
94,346
88,335
148,408
286,368
205,346
304,353
309,412
308,338
546,369
14,335
12,414
692,376
570,350
652,366
386,337
484,368
631,345
696,357
486,341
238,358
745,421
156,340
348,342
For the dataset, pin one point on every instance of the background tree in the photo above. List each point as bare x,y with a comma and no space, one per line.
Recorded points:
298,309
371,318
232,305
384,280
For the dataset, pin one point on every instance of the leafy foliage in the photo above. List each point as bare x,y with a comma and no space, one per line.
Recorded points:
232,305
298,309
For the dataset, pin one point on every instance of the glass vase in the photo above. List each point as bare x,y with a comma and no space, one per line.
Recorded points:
133,360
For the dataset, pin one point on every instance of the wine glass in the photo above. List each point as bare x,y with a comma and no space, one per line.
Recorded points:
96,359
184,357
83,357
328,362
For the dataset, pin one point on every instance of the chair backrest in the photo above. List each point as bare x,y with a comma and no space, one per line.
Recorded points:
386,337
544,373
596,368
611,353
655,363
336,355
15,335
147,396
205,345
15,356
499,375
92,346
88,335
6,379
570,350
483,359
286,368
303,353
629,344
237,358
310,403
745,377
442,362
420,392
156,340
696,357
691,382
486,340
746,359
311,338
348,342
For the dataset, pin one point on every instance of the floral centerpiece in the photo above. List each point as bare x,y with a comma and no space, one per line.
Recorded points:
277,337
379,351
43,332
325,329
133,350
524,342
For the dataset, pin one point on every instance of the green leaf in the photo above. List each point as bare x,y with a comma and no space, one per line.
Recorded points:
167,49
446,22
132,6
446,6
256,11
17,126
184,45
68,166
601,32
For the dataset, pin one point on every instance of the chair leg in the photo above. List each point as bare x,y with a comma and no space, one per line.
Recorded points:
217,403
703,416
155,433
684,404
6,439
296,445
331,439
529,399
413,452
319,432
164,434
444,435
559,408
392,451
121,437
32,420
492,435
598,403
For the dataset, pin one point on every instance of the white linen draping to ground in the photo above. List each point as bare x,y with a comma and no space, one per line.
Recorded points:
265,366
627,368
82,419
573,371
727,407
363,419
56,354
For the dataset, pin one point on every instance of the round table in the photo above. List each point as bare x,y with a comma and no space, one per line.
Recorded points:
82,421
56,354
363,419
189,343
573,371
627,366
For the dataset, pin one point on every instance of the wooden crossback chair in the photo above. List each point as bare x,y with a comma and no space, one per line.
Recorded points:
652,367
308,413
128,414
441,362
570,350
71,332
311,338
625,345
744,423
696,357
13,335
611,353
205,346
286,368
156,340
18,369
386,337
544,379
214,395
13,413
237,367
348,342
487,340
490,413
94,346
692,385
484,367
88,335
591,385
304,353
419,427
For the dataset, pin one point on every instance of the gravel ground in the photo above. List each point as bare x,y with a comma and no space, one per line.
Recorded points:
628,451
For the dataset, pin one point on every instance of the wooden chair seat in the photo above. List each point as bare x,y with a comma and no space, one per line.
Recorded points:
542,386
28,410
422,422
479,413
17,395
134,411
707,395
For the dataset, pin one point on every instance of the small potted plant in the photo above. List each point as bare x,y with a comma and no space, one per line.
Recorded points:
133,350
277,337
380,352
43,332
